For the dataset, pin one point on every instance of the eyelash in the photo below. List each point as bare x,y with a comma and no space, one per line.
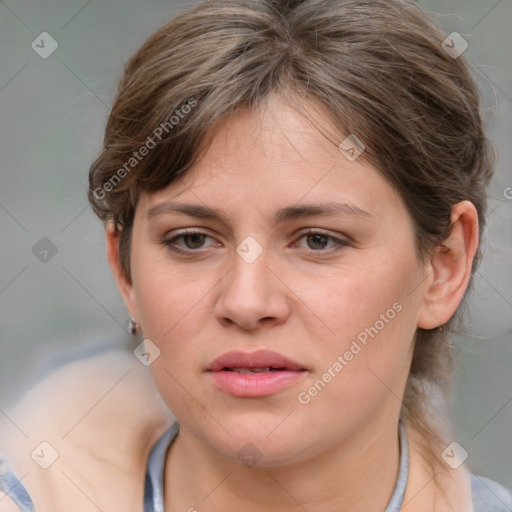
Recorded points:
170,244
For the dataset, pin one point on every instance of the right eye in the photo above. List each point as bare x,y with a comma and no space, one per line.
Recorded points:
192,239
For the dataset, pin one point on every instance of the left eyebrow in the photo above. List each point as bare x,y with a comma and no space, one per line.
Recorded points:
317,210
282,215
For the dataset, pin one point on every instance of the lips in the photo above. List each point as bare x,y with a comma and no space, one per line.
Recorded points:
254,374
261,360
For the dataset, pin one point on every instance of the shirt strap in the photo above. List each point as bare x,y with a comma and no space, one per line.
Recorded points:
397,498
154,486
12,486
154,496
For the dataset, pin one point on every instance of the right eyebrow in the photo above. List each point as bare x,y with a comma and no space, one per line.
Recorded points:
193,210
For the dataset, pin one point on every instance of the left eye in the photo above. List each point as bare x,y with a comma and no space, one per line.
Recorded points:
318,240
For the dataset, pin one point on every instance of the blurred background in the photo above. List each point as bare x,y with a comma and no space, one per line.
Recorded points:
60,62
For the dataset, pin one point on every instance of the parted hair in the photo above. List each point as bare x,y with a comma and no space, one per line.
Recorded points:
379,70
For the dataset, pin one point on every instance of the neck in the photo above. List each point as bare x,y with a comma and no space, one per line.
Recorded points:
338,479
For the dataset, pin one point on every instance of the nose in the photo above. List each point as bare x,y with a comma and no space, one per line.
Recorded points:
252,295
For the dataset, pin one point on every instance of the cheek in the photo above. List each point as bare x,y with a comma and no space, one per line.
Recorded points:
172,308
363,368
171,299
363,298
371,318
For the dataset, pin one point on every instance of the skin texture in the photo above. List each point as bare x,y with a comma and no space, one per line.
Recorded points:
301,297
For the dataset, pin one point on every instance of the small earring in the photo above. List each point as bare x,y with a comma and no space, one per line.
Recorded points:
441,328
133,326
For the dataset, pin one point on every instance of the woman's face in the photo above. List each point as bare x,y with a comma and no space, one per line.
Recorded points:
338,293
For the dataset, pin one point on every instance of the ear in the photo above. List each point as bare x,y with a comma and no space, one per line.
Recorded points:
450,268
124,283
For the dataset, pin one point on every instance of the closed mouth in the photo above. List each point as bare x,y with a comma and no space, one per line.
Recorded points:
253,363
254,370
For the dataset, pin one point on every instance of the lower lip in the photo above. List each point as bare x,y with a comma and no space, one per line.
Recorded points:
255,384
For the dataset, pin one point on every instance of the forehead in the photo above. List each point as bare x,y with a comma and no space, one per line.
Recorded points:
274,155
282,130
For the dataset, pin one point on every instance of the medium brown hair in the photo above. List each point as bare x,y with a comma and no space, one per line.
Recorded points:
379,70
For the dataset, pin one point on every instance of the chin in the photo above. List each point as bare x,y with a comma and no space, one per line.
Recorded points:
260,440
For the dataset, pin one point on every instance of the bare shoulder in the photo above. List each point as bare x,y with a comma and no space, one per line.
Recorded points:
7,505
82,435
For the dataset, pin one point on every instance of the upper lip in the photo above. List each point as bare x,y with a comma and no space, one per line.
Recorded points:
257,359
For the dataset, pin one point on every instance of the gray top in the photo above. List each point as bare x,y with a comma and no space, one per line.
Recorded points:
153,496
488,495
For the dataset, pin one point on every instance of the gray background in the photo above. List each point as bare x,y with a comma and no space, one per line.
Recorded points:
52,114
